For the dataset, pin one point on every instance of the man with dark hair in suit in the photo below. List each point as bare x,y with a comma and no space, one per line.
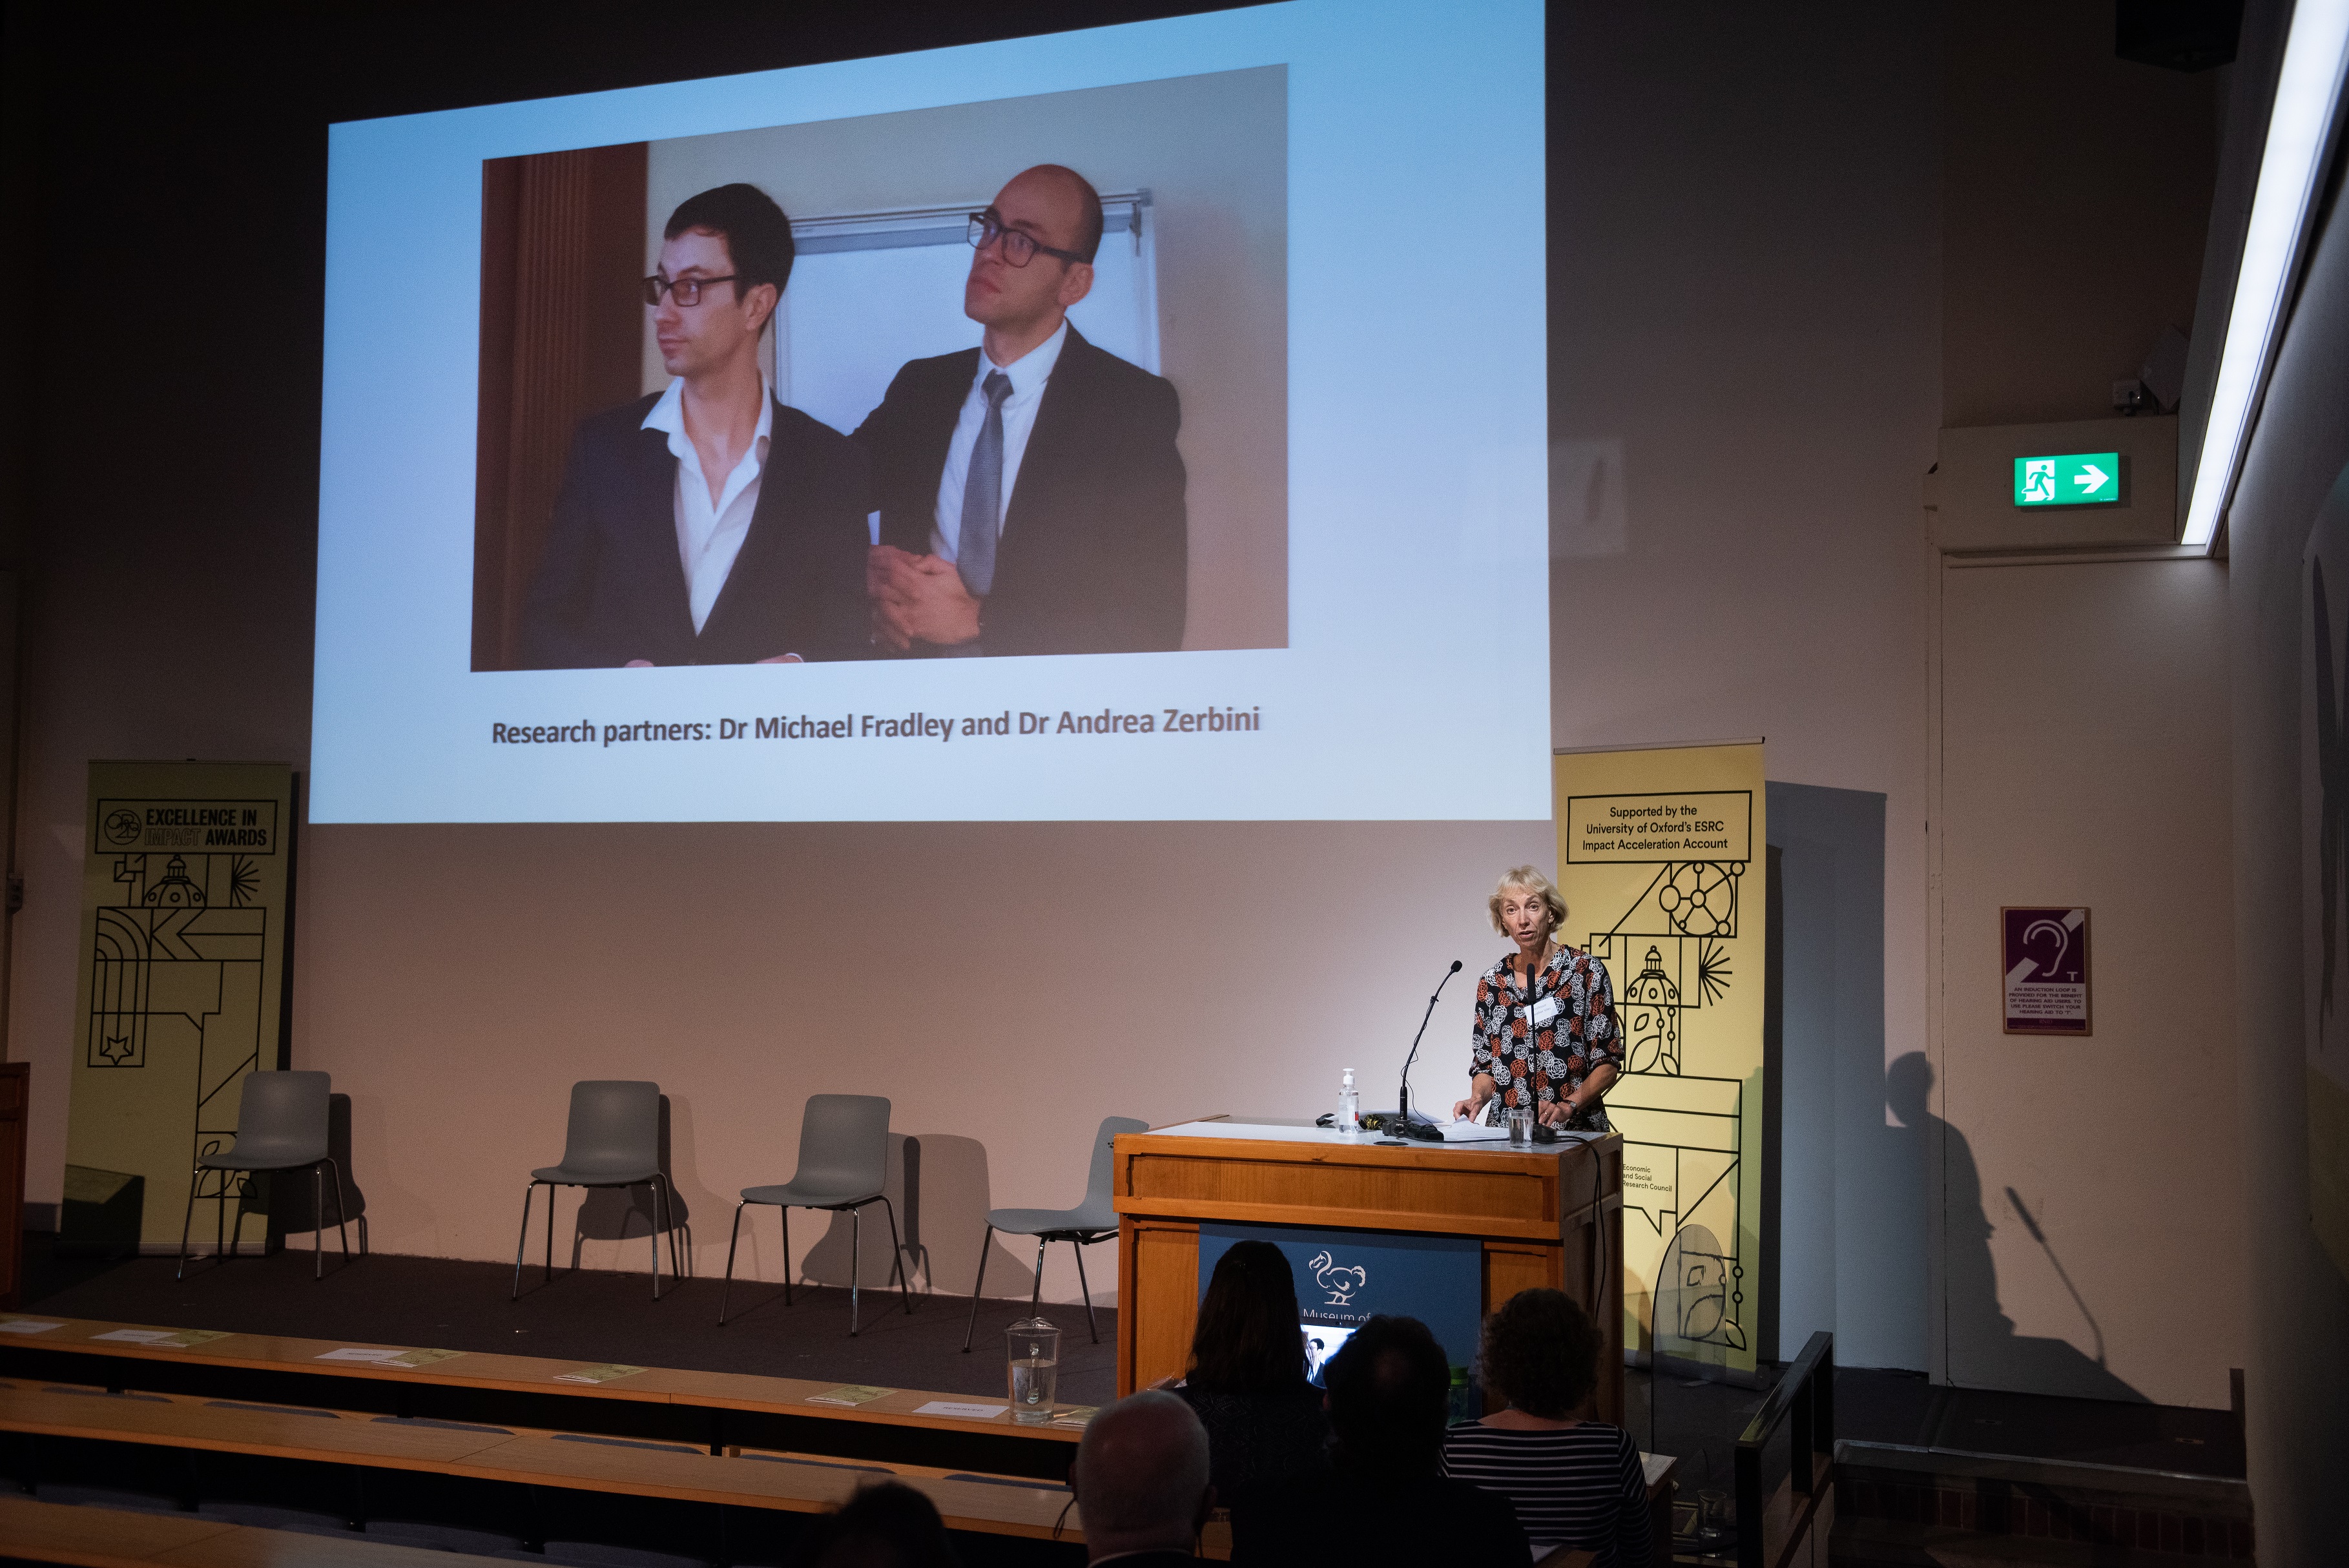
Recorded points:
707,524
1030,489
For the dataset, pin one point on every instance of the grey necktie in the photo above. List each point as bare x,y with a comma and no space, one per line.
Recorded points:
982,493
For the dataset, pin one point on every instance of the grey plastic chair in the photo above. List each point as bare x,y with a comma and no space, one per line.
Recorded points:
281,1125
1094,1220
843,1164
613,1140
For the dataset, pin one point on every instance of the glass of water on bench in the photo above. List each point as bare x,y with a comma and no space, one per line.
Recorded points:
1035,1358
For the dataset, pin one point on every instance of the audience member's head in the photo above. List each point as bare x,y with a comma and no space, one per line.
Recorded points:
1390,1399
889,1525
1249,1340
1541,1353
1141,1477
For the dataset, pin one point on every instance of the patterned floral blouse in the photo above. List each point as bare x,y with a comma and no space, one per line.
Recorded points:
1539,1063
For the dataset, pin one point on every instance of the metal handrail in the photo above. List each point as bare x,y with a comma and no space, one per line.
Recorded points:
1805,1397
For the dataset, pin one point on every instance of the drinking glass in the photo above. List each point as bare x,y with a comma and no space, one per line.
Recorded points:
1035,1370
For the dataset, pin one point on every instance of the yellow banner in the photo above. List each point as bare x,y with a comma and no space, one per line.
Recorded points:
1659,858
185,891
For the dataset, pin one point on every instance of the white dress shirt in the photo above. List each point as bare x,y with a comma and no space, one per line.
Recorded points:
709,534
1028,373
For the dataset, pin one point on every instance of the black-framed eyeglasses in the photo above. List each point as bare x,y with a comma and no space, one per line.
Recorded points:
1019,249
686,291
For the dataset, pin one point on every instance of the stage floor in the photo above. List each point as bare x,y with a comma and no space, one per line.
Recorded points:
590,1315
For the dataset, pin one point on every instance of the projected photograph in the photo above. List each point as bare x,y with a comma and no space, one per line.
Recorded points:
1322,1342
993,379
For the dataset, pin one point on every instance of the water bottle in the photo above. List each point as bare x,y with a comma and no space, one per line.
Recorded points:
1463,1398
1349,1107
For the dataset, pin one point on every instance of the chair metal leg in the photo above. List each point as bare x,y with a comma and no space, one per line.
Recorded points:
896,1251
220,1221
659,1209
652,1237
986,1244
668,1207
733,1241
318,1213
342,1214
529,1190
1036,1295
188,1221
856,1239
1077,1244
551,1190
678,1264
785,1211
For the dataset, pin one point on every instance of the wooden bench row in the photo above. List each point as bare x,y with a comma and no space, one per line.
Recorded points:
715,1410
792,1483
105,1538
99,1537
719,1416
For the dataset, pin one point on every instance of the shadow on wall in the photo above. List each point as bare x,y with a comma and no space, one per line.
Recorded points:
939,1185
1969,1275
623,1213
293,1199
828,1262
681,1159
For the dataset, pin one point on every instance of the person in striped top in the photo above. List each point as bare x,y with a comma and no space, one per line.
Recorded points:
1574,1483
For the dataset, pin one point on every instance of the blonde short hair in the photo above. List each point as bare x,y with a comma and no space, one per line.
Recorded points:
1530,880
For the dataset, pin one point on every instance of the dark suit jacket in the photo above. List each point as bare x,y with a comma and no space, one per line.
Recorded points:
610,587
1095,546
1384,1524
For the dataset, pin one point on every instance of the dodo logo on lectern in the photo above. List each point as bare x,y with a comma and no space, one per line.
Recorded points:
1340,1280
1344,1279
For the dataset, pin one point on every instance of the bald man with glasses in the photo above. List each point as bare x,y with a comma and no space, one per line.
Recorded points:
1031,496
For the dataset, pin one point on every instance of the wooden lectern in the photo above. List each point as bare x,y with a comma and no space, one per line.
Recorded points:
1549,1215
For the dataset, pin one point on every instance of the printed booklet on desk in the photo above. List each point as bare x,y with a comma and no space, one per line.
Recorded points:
1470,1132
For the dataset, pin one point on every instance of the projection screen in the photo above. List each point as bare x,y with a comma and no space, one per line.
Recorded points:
1273,539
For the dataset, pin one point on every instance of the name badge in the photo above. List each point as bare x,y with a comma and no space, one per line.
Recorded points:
1543,1011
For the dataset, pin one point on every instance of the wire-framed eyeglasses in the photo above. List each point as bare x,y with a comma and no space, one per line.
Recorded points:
685,291
1019,249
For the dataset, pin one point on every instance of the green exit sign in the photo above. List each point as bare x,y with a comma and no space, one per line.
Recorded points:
2081,478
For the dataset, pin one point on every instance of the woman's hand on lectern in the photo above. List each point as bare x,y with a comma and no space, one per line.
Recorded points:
1480,1090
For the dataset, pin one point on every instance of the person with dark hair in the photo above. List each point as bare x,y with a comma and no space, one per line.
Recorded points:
708,523
1247,1380
1573,1482
1031,496
885,1525
1386,1501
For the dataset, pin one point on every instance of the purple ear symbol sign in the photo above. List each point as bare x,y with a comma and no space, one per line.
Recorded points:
2044,953
2039,928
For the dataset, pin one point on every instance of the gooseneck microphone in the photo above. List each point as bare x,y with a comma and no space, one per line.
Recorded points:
1402,1105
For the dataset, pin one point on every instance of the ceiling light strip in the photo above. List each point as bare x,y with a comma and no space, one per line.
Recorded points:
2307,91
